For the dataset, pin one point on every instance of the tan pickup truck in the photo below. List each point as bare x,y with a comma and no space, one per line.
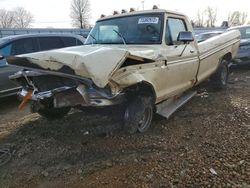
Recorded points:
141,62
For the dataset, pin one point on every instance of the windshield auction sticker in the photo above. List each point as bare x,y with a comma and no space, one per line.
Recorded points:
148,20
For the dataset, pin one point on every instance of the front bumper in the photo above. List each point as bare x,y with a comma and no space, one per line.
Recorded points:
81,92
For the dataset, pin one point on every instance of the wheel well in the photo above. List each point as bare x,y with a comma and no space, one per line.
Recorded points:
228,57
142,88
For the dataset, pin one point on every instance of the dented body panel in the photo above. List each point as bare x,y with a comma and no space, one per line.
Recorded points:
95,62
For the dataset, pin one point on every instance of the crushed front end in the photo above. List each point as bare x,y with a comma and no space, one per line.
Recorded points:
59,90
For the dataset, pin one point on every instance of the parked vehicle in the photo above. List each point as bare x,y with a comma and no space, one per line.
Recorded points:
243,56
204,36
200,30
23,44
5,32
140,62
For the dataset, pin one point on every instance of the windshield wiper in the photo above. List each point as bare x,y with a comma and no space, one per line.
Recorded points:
120,35
93,38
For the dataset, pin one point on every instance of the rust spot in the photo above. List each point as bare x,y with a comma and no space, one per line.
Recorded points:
25,100
176,97
192,81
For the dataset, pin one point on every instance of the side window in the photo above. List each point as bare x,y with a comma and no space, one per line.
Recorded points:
22,46
49,43
5,51
78,42
36,44
174,27
68,41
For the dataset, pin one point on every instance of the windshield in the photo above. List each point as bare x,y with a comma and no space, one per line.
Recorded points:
138,29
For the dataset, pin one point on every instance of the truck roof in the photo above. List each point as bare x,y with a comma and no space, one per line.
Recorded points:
140,12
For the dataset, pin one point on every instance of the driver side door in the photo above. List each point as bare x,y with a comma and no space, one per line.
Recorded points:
182,59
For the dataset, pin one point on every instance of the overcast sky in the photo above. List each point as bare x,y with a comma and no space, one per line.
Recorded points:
55,13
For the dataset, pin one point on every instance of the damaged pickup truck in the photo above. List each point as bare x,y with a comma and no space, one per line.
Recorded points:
143,62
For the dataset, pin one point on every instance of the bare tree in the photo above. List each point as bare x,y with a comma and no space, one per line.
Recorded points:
243,18
207,17
211,15
22,18
80,13
199,22
192,23
18,18
237,18
6,18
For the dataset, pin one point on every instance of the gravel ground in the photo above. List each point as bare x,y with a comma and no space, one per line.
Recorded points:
205,144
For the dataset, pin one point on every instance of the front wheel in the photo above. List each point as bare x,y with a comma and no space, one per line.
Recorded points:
220,78
138,114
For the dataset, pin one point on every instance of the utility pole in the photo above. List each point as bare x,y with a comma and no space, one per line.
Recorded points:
143,4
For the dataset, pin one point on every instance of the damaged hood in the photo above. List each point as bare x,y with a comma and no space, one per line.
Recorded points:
95,62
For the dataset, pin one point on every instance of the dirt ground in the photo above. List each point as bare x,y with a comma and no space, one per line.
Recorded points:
205,144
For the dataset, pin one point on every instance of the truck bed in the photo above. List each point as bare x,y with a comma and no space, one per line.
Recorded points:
212,50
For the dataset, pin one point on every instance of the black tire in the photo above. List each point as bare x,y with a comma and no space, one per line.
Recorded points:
48,111
220,78
138,114
53,113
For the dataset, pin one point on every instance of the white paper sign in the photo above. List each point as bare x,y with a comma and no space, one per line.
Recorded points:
148,20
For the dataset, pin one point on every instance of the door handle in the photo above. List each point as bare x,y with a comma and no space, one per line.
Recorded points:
165,64
192,51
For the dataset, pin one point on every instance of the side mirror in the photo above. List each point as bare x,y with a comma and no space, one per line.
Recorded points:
185,36
1,57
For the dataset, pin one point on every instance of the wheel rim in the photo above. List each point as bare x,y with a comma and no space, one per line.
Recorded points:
145,120
224,75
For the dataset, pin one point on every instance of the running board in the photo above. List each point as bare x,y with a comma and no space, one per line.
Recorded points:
168,107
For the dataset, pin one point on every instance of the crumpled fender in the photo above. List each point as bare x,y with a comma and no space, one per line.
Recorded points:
95,62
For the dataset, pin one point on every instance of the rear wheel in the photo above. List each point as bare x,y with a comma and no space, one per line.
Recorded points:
138,114
220,78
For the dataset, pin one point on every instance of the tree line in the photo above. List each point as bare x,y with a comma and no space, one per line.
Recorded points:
16,18
208,18
80,14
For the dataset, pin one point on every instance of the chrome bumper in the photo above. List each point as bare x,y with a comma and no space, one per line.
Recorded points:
80,98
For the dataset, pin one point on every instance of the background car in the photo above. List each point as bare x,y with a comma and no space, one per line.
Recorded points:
204,36
243,56
22,44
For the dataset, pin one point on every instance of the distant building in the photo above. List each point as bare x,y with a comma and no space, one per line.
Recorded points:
9,32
